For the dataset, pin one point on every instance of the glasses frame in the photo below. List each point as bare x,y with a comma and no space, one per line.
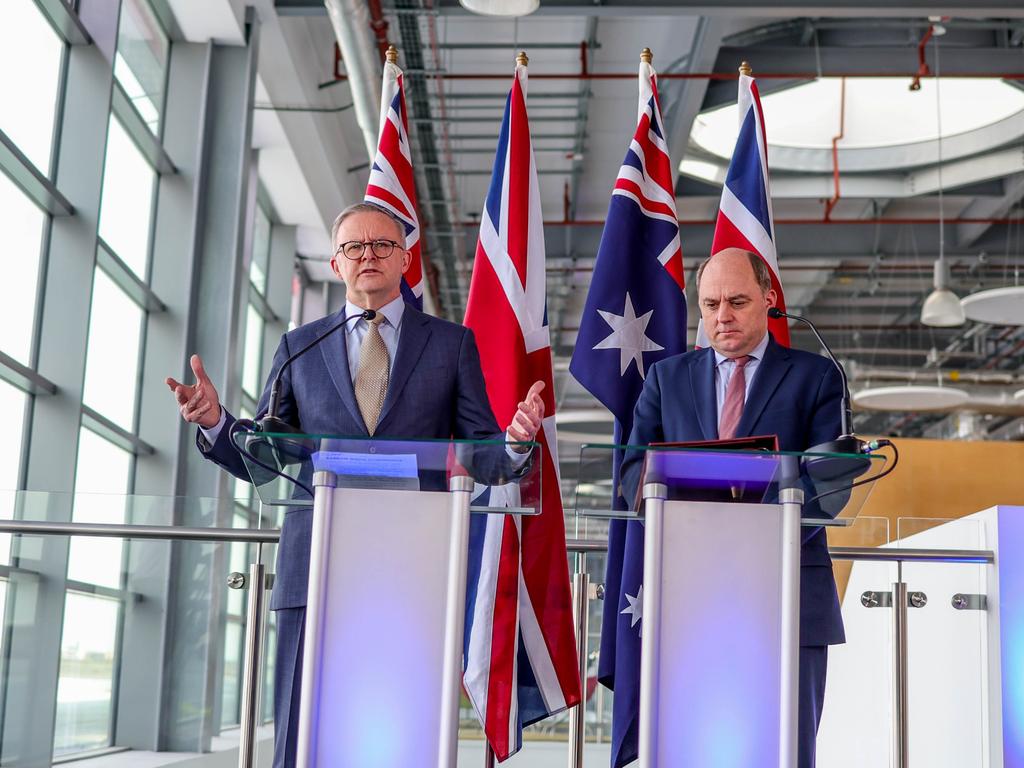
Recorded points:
372,244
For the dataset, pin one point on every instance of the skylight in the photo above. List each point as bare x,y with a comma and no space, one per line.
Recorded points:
881,114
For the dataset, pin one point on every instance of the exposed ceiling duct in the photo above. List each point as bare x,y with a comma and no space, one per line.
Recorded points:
352,28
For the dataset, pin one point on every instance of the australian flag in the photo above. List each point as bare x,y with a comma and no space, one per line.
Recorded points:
635,315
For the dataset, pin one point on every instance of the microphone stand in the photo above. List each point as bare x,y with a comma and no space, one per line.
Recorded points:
834,467
289,450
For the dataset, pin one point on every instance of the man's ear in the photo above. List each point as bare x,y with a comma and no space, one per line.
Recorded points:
406,260
336,268
771,299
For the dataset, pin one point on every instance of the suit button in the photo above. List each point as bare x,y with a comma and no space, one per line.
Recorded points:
372,449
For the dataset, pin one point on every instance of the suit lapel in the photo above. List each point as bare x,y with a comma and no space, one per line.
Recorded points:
335,351
411,342
702,381
767,378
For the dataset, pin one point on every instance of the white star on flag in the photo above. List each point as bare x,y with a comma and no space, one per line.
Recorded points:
629,337
635,609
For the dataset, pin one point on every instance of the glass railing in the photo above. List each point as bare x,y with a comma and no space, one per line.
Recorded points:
131,640
135,641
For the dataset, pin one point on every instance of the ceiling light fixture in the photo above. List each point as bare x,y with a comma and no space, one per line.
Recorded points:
501,7
998,306
909,398
941,308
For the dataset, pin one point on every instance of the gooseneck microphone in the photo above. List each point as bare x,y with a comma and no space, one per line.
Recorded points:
847,442
270,422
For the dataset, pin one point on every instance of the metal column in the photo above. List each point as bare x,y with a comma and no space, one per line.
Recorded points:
900,732
580,608
251,670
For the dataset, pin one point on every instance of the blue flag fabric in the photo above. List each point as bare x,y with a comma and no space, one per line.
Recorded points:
635,315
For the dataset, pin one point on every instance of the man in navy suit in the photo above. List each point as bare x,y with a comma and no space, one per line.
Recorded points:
793,394
426,372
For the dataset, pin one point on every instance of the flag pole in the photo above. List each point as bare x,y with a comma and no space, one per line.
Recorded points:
745,69
391,55
488,754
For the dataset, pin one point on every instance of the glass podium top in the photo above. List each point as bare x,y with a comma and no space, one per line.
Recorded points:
283,467
832,483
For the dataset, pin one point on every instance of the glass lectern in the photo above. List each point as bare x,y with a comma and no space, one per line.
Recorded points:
720,614
385,607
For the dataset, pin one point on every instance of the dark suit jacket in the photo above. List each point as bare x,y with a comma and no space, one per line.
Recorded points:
795,395
436,390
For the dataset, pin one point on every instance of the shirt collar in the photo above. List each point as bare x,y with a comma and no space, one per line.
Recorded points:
757,352
392,312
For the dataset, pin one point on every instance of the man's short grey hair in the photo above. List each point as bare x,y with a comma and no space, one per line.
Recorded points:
761,273
355,208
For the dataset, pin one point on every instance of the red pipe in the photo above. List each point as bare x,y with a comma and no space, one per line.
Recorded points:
922,62
835,150
792,222
705,75
379,25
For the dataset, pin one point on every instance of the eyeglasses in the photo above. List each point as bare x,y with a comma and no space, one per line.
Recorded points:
353,249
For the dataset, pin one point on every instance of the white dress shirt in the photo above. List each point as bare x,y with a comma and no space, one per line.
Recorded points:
726,366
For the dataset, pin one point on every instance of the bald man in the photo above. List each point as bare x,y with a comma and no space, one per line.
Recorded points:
746,384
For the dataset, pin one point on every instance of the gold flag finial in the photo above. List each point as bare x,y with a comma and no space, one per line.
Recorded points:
646,56
523,59
392,55
745,69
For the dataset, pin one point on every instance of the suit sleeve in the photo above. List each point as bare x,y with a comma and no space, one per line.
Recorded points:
825,419
222,452
474,419
646,429
825,424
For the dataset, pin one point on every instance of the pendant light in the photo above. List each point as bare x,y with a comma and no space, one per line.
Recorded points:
942,308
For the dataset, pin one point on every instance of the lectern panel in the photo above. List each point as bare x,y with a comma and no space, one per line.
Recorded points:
720,647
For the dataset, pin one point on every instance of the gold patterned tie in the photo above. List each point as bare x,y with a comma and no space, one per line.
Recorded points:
371,382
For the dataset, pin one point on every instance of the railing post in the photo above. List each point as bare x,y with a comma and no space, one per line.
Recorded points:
253,655
580,607
900,757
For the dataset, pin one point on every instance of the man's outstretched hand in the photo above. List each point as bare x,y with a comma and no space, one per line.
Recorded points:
528,419
199,403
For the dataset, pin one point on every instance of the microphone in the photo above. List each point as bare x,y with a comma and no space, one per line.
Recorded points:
292,450
847,442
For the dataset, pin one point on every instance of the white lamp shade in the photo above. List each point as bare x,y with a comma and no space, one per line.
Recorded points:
501,7
942,309
1019,395
909,398
999,306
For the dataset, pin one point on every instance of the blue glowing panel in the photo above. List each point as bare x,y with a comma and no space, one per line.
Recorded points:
380,681
719,648
1010,563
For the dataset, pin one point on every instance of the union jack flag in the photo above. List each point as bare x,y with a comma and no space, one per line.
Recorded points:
745,212
392,184
635,315
520,663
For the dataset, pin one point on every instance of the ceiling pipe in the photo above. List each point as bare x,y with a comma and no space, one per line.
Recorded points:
440,75
353,28
794,221
835,150
954,377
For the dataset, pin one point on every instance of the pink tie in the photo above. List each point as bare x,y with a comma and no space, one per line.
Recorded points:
735,393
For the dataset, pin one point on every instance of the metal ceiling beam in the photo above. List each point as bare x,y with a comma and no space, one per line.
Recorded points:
766,8
968,234
860,60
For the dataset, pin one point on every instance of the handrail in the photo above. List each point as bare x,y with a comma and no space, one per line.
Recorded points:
120,531
272,535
